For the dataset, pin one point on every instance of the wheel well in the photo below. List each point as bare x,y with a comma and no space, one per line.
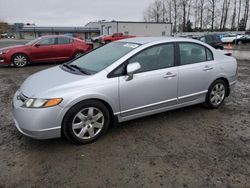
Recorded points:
113,118
227,84
20,54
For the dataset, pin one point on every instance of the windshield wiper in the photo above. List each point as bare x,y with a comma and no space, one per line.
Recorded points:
80,69
67,66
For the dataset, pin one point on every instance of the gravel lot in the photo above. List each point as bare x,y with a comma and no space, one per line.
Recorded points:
188,147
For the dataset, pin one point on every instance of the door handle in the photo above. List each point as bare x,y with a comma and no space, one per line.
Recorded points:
207,68
169,75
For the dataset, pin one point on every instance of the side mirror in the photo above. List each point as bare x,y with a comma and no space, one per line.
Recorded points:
131,69
37,45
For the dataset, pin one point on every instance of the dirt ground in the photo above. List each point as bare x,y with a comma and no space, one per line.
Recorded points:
188,147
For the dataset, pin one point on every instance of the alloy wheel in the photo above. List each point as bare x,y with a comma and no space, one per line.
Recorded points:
88,123
217,94
20,61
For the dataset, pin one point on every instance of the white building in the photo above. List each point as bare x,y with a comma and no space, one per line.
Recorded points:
133,28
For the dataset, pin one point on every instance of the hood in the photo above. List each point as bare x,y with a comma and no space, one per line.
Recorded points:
12,47
47,80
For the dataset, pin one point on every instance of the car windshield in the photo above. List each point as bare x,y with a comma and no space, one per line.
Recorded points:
33,41
104,56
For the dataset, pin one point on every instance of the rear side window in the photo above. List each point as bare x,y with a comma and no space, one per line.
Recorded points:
210,56
64,40
194,53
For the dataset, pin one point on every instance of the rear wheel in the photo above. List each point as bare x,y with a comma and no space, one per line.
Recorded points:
216,94
86,121
240,43
20,60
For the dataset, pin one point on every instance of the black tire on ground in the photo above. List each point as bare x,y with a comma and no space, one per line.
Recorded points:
71,117
20,60
217,92
107,42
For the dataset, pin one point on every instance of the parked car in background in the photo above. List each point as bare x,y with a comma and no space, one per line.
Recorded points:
7,36
114,37
213,40
230,38
121,81
243,40
97,38
53,48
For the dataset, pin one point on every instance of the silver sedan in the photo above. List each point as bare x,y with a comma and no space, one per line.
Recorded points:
121,81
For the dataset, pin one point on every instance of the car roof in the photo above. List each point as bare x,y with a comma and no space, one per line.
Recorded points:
145,40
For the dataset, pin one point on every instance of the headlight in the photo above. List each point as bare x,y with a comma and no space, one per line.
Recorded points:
41,103
4,51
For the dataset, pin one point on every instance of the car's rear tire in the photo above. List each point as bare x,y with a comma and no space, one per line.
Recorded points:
216,94
86,122
240,42
20,60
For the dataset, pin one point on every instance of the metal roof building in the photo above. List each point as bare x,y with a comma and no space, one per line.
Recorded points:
31,31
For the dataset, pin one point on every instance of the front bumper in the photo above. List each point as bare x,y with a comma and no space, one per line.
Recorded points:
4,60
42,123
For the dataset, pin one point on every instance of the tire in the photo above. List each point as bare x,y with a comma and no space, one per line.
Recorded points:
20,60
216,94
240,43
86,122
78,54
107,42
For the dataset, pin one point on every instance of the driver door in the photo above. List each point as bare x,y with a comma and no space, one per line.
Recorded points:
154,85
44,50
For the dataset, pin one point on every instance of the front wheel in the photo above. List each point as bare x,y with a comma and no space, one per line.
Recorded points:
78,54
20,60
86,122
216,94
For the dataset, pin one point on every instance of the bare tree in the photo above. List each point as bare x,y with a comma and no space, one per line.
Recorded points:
239,15
245,17
201,13
211,8
234,16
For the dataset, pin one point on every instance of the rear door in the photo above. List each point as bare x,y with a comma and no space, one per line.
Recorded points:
64,49
196,71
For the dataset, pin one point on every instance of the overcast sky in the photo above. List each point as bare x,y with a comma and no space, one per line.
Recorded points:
71,12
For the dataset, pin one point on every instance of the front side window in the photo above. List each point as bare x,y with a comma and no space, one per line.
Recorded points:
47,41
192,53
157,57
64,40
102,57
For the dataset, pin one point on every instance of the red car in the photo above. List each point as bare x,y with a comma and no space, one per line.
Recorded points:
44,49
114,37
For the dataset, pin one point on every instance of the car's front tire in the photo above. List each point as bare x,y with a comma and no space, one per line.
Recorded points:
78,54
20,60
86,121
216,94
